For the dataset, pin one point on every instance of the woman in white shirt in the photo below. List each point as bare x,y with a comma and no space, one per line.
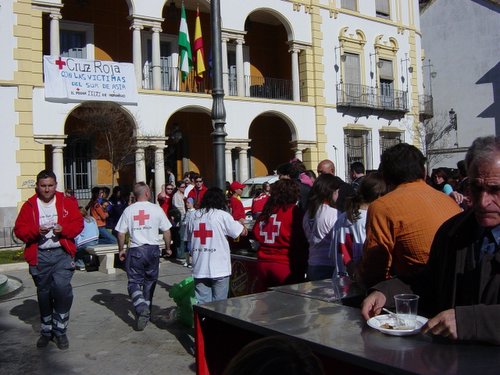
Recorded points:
318,223
207,229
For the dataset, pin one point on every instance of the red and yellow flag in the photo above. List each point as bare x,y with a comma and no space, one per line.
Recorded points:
199,54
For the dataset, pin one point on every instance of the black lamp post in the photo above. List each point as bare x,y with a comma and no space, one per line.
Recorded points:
453,124
432,75
218,110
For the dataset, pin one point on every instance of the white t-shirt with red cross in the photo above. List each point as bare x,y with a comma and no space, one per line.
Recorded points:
143,221
210,248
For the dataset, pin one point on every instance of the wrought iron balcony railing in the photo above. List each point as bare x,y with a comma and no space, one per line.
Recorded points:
171,80
255,86
383,98
426,106
269,88
261,87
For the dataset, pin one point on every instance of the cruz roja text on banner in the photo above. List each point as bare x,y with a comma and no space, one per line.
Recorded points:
71,79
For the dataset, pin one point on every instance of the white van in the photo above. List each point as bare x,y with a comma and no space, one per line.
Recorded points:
251,186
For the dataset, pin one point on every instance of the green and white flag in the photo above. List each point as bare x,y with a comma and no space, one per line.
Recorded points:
186,56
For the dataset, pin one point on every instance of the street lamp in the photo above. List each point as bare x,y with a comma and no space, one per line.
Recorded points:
218,110
454,124
406,70
343,58
378,63
432,75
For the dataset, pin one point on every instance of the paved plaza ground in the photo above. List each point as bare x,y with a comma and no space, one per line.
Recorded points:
101,330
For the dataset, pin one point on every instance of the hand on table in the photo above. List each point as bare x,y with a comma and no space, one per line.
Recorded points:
443,324
372,305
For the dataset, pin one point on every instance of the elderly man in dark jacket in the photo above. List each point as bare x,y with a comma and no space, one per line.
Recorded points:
460,285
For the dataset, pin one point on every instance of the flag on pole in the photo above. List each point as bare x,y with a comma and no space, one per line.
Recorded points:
199,53
186,58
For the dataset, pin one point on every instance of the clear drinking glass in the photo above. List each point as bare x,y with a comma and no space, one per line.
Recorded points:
406,309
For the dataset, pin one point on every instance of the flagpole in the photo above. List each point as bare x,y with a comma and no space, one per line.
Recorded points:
218,110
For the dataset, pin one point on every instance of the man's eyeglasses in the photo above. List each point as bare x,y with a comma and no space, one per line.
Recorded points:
182,186
199,180
169,189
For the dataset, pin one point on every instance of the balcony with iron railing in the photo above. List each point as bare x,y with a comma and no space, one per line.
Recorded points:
254,86
426,106
268,88
171,80
382,99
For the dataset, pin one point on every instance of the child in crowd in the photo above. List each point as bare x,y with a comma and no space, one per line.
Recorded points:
190,210
88,237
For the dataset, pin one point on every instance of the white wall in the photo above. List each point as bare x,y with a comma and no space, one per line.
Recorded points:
335,122
9,145
234,13
462,39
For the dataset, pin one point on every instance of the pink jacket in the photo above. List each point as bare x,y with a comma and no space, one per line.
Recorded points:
27,226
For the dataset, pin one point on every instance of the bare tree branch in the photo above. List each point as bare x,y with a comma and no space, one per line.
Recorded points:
433,135
111,131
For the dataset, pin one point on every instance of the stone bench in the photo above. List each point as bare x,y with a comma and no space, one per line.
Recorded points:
106,255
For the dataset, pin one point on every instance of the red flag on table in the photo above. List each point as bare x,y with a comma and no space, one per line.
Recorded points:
199,54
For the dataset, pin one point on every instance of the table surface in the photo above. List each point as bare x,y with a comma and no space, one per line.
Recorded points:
325,291
340,332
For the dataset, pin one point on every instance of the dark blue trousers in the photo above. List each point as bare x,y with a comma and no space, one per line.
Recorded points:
142,265
52,276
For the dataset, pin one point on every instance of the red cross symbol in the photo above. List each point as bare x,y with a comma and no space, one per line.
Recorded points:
141,218
272,231
60,63
202,233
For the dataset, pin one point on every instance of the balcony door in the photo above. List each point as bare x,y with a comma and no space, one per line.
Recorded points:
232,71
231,67
386,75
352,79
168,63
76,40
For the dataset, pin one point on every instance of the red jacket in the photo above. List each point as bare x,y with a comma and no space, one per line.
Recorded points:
237,209
27,227
259,202
282,239
165,202
197,195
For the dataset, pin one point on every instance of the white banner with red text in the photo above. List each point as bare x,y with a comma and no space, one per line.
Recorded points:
71,79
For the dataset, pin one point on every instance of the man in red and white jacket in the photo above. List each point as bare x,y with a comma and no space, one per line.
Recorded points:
48,223
198,191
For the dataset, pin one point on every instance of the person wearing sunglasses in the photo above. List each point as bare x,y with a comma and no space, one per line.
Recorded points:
198,191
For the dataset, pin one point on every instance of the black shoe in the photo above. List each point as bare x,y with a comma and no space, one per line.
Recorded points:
43,341
142,321
62,342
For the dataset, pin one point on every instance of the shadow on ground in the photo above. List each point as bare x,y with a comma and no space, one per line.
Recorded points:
28,312
118,303
164,319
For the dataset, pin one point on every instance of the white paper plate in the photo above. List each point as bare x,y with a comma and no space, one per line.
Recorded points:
379,320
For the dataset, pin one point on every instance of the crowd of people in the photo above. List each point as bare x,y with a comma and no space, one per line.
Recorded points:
391,230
